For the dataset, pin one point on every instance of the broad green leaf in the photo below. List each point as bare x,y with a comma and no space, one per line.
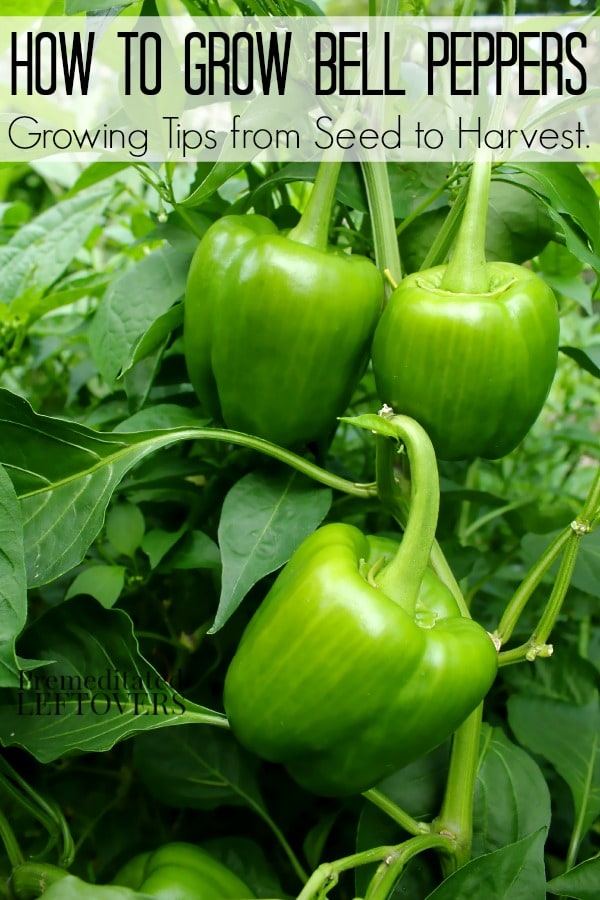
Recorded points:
103,583
588,359
154,337
125,528
40,251
581,882
549,728
515,871
157,543
197,769
96,690
512,798
570,199
213,180
132,303
13,584
162,415
196,551
65,474
263,520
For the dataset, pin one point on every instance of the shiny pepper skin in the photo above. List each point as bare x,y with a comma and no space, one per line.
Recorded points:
181,871
343,684
277,332
473,369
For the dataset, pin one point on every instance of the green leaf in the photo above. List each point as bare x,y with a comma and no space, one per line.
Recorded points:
516,872
263,520
581,882
125,528
371,422
132,303
39,253
548,728
197,769
570,199
195,551
96,690
512,798
157,543
588,359
13,585
103,583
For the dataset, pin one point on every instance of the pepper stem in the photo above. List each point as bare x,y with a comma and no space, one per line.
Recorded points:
467,271
313,227
401,579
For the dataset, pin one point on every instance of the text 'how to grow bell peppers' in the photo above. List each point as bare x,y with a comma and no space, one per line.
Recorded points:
277,328
359,661
469,349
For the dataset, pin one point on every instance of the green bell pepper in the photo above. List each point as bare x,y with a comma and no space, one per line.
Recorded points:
181,871
175,871
277,329
358,661
469,349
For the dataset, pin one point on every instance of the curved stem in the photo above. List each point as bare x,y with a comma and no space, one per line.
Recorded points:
390,870
313,227
402,577
326,876
395,812
11,845
467,270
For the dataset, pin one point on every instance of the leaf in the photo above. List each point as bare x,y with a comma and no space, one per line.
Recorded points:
13,586
512,798
132,303
96,690
65,475
103,583
215,178
372,422
196,551
196,769
547,727
125,528
515,871
570,198
581,882
263,520
157,543
588,359
40,251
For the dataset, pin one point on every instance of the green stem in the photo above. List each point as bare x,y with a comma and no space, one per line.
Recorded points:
31,880
383,222
47,812
326,876
513,611
467,271
391,809
11,845
441,567
313,227
456,816
402,577
389,871
440,248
